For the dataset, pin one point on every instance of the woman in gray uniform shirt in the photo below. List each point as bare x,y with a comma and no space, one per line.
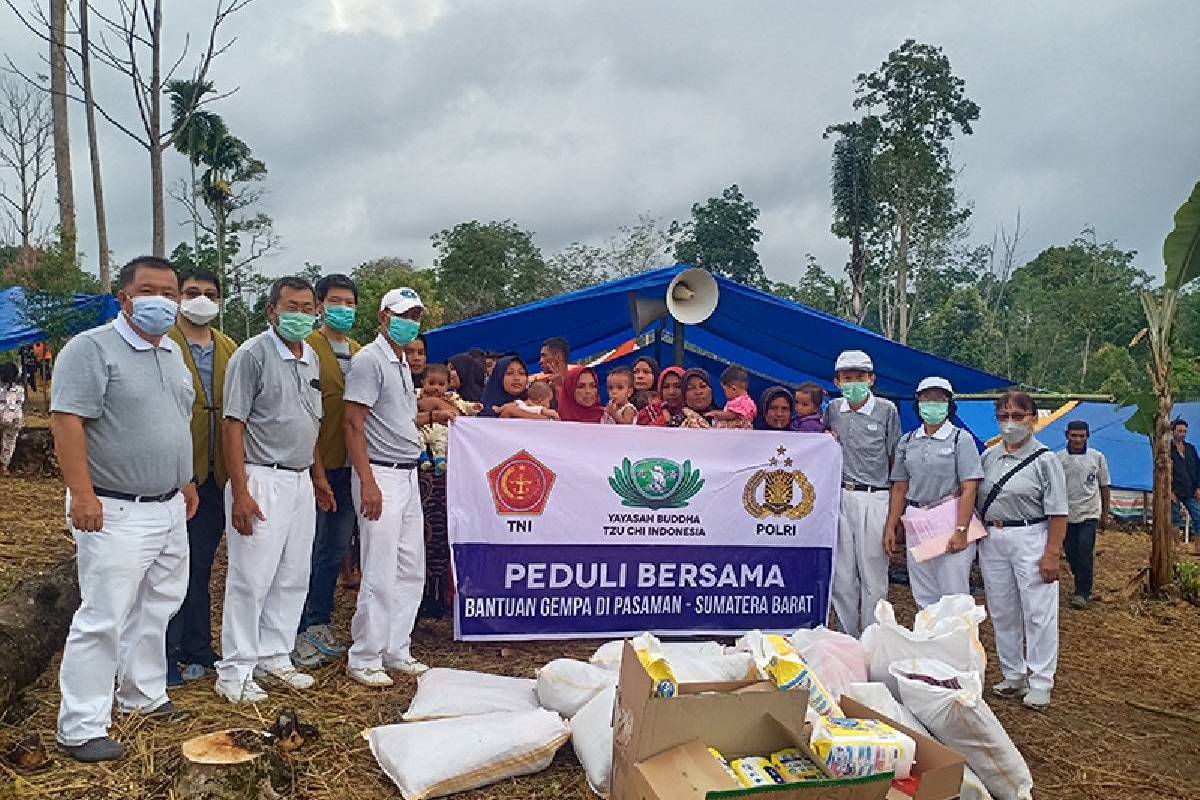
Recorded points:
1023,502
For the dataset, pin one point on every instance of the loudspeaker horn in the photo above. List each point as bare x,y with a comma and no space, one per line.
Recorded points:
692,296
644,311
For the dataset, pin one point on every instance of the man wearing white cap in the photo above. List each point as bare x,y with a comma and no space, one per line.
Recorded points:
935,463
868,428
384,448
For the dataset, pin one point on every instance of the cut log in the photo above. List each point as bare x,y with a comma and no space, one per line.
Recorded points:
34,618
236,764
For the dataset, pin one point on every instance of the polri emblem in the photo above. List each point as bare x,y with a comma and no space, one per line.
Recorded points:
777,489
520,484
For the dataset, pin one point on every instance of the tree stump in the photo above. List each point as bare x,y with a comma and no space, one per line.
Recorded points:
34,455
235,764
34,618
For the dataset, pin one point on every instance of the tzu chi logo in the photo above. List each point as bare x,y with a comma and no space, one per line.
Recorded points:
520,484
777,488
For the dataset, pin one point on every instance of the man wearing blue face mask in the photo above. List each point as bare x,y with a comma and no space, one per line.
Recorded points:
272,417
384,447
868,428
337,300
120,407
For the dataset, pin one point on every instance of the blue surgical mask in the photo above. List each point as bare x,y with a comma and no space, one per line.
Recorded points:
339,318
402,331
154,314
933,412
294,326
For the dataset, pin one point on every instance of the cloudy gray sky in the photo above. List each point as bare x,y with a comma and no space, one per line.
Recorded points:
383,121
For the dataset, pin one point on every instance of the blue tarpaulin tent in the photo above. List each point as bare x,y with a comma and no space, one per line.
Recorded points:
1127,453
16,328
776,340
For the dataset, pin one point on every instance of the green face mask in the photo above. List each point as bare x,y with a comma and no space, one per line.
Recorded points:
339,318
295,325
856,391
933,412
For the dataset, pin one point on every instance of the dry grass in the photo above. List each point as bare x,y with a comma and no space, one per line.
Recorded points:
1090,745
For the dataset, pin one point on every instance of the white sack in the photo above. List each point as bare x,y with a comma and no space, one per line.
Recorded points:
959,718
947,631
592,738
608,655
706,668
442,757
837,658
445,693
566,685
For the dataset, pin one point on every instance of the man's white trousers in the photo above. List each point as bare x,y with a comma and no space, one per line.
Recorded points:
268,573
133,574
949,573
860,569
393,570
1023,607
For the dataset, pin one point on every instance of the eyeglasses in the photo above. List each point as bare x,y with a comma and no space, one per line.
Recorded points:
1014,416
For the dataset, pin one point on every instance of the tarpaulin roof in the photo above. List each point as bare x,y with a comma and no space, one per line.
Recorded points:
776,339
16,329
1127,453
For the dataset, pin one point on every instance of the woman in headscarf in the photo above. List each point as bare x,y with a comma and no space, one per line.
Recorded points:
580,400
468,372
697,398
645,374
667,410
415,353
508,383
775,410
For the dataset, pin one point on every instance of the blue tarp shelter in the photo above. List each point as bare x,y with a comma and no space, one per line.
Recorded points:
1128,453
16,328
776,340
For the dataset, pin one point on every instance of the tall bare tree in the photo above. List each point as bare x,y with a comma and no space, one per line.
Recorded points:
25,152
89,110
62,123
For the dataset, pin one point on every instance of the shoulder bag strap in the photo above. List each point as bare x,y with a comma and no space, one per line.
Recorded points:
991,498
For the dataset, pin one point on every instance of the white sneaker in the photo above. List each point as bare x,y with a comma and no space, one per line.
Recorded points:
1007,688
246,692
370,677
1037,699
287,676
409,666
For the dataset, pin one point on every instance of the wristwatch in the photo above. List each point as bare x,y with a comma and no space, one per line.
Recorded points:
959,529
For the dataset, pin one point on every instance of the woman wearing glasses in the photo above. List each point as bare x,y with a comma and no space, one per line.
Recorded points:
1023,502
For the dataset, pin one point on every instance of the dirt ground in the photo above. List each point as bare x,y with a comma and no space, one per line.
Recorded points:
1092,744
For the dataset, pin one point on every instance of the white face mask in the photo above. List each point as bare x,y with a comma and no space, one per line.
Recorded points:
1015,432
199,310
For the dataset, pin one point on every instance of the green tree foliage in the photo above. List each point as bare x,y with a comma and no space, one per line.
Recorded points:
854,206
817,289
376,277
721,237
483,267
635,248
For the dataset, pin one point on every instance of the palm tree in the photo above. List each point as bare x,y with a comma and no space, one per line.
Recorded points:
853,201
228,160
194,131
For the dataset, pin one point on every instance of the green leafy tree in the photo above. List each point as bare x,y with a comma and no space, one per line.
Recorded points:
194,130
484,267
817,289
635,248
854,207
721,238
959,329
377,277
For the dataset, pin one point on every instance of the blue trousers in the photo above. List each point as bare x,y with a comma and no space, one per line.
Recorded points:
1193,509
189,634
1080,548
329,548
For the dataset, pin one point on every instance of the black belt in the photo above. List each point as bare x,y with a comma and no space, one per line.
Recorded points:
283,467
135,498
915,504
1016,523
851,486
395,464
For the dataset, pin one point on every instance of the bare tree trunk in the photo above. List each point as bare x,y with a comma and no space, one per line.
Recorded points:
1159,318
858,268
902,280
195,222
1087,348
154,131
62,123
89,107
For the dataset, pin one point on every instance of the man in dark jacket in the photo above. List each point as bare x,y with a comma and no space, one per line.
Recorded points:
1185,477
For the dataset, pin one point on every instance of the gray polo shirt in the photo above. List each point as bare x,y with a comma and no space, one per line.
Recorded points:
278,396
1086,472
136,403
934,466
1038,490
381,381
868,437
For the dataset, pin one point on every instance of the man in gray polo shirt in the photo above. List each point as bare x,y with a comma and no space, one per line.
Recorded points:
868,428
1089,497
384,446
120,407
272,415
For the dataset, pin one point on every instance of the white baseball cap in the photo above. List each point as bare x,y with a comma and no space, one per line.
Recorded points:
400,300
934,382
853,359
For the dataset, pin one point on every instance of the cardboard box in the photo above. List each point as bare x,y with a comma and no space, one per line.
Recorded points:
939,767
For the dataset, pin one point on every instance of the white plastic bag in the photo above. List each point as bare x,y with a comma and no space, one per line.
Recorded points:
959,718
440,757
566,685
837,658
443,693
947,631
592,738
608,655
705,668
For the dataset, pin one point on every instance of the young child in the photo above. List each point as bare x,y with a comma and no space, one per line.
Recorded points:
620,411
809,399
740,409
12,413
540,394
436,396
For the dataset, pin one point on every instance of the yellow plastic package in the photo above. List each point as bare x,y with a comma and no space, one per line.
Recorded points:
660,673
779,662
793,766
724,764
755,771
851,748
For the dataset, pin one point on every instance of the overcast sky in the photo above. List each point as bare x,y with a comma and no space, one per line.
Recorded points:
384,121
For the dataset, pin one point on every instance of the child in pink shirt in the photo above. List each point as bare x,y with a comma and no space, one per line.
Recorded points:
740,409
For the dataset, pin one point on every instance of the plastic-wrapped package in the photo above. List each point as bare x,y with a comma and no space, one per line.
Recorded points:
947,631
858,747
838,658
566,685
